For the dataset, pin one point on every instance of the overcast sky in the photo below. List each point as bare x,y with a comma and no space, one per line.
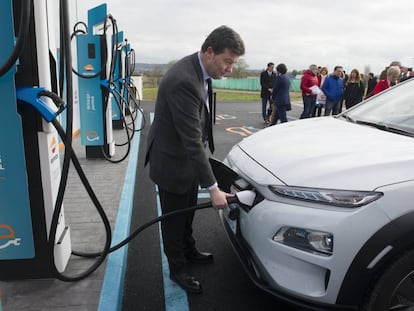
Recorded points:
352,33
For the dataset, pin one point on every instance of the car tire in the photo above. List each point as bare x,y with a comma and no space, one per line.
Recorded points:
395,286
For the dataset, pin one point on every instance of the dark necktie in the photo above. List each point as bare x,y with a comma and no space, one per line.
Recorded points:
211,116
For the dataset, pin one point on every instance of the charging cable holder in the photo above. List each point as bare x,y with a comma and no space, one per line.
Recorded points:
33,96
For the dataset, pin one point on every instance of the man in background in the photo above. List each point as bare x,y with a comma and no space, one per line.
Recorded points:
372,82
333,88
267,77
309,85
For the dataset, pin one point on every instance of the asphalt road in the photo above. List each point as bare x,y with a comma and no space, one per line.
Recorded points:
226,286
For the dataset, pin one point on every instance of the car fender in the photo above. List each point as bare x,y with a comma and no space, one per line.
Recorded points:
391,237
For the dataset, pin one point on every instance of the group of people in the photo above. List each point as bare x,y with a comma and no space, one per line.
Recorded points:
321,90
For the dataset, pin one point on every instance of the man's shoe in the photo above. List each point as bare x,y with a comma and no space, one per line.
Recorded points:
199,257
186,282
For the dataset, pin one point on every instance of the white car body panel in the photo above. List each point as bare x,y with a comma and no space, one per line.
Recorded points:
358,157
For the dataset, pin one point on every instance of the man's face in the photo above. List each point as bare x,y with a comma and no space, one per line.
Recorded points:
338,72
314,70
220,64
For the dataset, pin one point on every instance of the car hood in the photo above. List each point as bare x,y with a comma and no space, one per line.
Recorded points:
328,152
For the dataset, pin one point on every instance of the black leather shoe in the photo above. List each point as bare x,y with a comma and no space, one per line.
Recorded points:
186,282
199,257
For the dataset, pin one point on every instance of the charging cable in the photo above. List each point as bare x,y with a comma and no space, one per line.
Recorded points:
26,8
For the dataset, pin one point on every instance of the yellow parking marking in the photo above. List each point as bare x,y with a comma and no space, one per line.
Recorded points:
239,130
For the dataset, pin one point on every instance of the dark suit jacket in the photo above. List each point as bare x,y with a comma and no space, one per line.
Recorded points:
266,82
281,87
175,148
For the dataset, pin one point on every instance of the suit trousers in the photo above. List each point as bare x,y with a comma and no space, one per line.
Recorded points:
177,231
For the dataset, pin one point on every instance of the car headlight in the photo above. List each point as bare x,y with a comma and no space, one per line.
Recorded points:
342,198
306,239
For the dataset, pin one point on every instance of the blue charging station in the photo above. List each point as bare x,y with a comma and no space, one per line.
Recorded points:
16,239
29,154
95,112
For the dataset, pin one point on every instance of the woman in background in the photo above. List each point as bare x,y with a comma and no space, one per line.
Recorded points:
280,94
320,98
354,89
393,74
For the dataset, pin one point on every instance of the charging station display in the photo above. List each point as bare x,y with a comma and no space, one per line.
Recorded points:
91,108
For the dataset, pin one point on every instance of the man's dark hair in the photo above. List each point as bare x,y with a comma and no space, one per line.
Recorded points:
281,68
270,64
223,38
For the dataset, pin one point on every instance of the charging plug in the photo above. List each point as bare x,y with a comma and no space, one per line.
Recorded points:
246,197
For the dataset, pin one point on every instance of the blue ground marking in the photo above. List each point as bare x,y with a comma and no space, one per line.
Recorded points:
113,283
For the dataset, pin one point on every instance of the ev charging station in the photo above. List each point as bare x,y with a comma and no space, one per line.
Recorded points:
128,82
35,240
29,152
121,101
94,97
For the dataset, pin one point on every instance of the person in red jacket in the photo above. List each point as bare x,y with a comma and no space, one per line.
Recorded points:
393,73
310,89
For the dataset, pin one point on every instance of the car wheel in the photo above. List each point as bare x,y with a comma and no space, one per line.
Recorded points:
394,290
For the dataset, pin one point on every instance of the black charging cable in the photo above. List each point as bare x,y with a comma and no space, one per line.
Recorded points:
150,223
26,8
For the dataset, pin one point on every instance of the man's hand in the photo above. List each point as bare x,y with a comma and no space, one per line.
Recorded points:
219,198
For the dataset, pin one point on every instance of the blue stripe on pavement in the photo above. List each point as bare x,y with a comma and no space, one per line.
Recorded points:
113,283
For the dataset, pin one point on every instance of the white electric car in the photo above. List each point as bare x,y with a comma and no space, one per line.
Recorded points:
331,225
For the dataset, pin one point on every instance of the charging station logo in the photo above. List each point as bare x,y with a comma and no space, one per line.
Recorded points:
89,68
92,135
7,233
53,145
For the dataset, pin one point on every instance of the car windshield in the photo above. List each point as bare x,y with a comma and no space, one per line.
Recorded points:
392,110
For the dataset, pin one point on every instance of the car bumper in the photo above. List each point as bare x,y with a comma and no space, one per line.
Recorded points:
259,274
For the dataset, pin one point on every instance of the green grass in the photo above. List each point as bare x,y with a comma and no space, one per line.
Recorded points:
224,95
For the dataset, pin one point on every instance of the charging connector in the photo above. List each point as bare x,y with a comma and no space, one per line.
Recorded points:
33,96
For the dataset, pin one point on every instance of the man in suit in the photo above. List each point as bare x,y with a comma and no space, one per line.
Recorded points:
181,129
267,78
